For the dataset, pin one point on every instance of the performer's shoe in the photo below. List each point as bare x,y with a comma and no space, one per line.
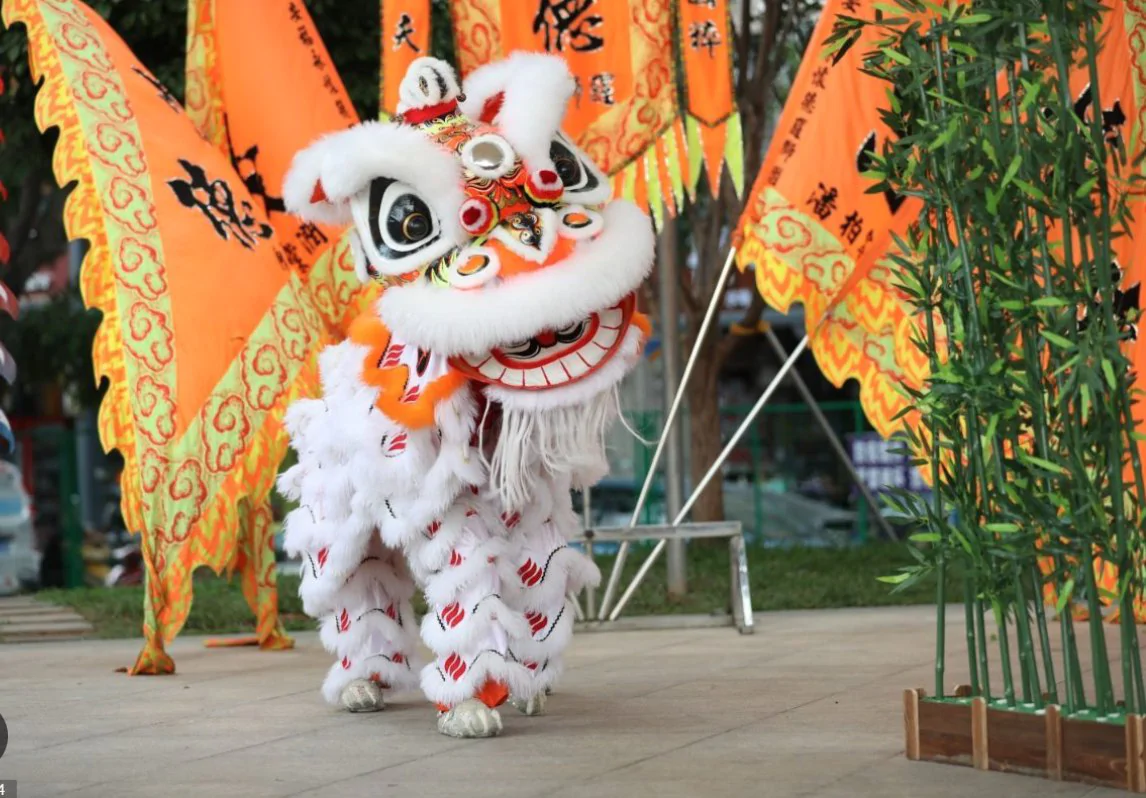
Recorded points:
532,706
362,695
471,718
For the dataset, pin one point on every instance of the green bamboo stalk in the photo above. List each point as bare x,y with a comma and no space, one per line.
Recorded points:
1032,693
941,624
1100,664
1075,697
969,626
1136,657
1044,637
1004,651
984,660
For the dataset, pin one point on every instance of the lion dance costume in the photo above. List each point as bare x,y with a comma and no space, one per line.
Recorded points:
456,419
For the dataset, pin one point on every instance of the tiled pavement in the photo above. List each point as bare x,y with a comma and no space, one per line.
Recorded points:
811,705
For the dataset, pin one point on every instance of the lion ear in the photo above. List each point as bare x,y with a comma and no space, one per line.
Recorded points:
304,192
525,97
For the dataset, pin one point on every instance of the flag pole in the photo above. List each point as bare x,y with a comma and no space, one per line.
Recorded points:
712,471
674,409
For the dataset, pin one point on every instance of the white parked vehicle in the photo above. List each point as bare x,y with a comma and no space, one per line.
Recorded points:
19,560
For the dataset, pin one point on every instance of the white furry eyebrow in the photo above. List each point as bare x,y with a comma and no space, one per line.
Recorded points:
345,163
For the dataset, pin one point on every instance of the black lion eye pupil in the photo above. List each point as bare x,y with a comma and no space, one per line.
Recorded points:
416,227
568,169
409,220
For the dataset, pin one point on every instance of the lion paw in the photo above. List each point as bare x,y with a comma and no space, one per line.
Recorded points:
362,695
469,719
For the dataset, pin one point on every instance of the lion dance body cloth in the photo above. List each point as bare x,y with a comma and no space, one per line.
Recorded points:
458,416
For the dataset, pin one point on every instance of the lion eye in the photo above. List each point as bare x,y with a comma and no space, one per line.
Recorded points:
400,220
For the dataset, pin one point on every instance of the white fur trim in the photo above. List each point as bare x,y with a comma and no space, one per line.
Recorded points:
537,89
474,626
345,162
487,665
399,676
444,587
597,275
563,570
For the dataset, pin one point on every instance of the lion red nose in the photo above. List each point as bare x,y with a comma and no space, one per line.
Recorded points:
547,338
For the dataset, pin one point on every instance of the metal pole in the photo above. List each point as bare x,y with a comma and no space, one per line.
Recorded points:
712,471
590,591
622,551
833,439
670,365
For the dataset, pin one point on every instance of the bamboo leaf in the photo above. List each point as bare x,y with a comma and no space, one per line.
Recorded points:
1039,462
1086,188
1030,190
1064,595
926,537
895,56
1108,371
1002,528
1012,170
894,580
1057,340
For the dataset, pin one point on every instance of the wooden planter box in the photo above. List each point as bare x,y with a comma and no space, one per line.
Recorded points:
1048,745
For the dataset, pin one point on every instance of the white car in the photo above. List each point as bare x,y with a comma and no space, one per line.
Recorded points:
19,560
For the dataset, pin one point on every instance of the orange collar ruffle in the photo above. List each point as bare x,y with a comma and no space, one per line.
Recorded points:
411,409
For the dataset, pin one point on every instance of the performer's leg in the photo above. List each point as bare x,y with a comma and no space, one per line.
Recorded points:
548,571
372,632
468,626
359,588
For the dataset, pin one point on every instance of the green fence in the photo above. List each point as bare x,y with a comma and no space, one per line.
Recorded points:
783,452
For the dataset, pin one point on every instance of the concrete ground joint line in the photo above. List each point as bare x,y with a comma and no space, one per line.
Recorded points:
153,724
689,744
326,786
850,774
196,759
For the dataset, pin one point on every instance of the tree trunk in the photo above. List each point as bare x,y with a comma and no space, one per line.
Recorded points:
705,440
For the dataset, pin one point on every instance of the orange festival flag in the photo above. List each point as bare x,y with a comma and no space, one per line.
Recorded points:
624,113
205,337
405,36
714,135
261,86
814,236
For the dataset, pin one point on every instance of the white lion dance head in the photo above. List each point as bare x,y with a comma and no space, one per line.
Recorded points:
501,249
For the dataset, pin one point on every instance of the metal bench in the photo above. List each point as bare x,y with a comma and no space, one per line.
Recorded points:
740,596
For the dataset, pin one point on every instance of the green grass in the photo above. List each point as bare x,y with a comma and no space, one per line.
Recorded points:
782,579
